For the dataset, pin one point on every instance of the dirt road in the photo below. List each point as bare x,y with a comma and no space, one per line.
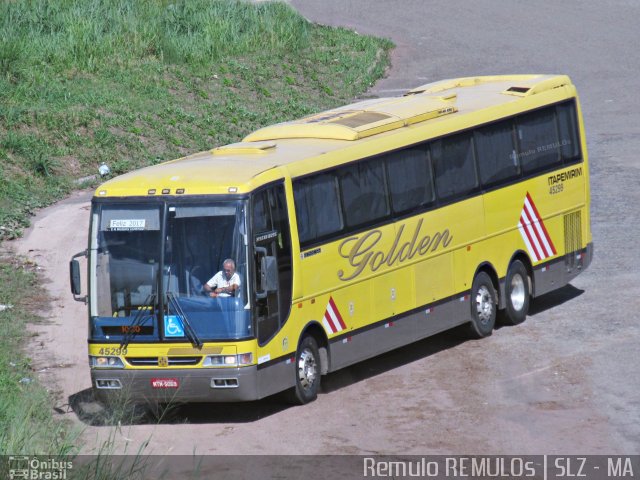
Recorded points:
565,381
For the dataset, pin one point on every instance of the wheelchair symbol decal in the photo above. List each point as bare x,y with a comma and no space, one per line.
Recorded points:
173,326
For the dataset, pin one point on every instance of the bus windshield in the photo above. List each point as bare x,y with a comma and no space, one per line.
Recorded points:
150,288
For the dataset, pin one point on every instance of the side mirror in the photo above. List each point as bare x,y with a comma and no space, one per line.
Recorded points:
268,274
74,274
74,277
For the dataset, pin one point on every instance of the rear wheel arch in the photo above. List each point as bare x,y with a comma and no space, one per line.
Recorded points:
484,305
517,293
490,270
526,261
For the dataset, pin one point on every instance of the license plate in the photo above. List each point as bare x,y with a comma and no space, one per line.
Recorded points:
164,382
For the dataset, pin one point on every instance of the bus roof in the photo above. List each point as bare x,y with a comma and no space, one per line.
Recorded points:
353,131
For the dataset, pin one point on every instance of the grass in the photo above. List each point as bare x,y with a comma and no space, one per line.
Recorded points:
131,84
25,406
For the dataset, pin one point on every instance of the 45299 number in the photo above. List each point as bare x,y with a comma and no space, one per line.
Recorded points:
112,351
556,189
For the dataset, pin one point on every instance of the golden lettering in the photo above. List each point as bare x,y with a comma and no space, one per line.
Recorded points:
377,260
361,251
359,254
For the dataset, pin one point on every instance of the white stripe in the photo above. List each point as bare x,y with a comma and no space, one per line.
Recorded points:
548,251
547,247
327,325
528,232
530,229
545,239
333,316
532,252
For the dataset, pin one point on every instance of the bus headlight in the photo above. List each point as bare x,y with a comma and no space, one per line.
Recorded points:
105,362
240,360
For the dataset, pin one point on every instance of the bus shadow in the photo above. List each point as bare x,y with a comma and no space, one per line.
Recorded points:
394,359
91,412
553,299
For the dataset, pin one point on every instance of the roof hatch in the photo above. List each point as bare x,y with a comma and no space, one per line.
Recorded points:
244,148
360,120
516,85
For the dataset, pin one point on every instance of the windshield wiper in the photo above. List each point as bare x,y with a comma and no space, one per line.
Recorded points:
188,329
139,319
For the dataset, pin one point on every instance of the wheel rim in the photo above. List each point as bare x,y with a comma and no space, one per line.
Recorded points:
484,305
517,292
307,369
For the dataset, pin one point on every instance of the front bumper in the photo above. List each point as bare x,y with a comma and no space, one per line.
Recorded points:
159,385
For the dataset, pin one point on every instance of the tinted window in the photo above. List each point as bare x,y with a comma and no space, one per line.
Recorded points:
410,182
538,140
453,166
568,129
495,151
317,206
272,308
364,195
261,213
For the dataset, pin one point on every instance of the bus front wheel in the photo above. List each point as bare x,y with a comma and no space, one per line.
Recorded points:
516,289
307,372
483,306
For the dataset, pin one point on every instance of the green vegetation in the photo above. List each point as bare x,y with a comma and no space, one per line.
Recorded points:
134,83
25,406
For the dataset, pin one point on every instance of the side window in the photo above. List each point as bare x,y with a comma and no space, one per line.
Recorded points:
364,196
453,165
317,206
538,140
496,153
410,181
568,131
272,237
261,213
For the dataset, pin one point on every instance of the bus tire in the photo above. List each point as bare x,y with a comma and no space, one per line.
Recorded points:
307,372
483,306
516,292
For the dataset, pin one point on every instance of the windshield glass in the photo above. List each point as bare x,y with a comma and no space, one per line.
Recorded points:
136,272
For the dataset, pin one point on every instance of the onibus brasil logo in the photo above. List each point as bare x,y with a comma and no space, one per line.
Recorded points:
34,468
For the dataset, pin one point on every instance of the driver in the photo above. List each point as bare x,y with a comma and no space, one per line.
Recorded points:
225,283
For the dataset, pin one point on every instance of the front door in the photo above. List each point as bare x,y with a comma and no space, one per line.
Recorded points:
272,260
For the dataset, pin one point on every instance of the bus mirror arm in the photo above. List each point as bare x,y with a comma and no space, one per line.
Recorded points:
268,274
74,277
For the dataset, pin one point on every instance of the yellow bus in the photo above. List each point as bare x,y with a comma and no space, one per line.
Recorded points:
351,232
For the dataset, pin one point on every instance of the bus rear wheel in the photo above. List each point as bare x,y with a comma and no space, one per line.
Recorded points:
483,306
307,372
517,297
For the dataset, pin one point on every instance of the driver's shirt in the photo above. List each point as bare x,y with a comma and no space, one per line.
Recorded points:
219,280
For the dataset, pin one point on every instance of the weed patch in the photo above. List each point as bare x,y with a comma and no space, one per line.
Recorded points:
25,406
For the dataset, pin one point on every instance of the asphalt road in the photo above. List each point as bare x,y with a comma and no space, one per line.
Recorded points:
565,381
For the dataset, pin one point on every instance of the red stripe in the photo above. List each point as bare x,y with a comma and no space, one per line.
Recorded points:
329,320
541,230
544,229
525,228
337,312
533,228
